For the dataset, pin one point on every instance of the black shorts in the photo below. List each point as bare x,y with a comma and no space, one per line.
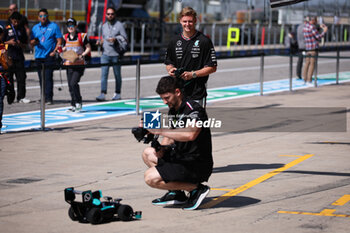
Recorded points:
191,172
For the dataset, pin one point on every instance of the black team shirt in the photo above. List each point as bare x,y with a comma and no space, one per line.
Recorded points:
196,154
192,54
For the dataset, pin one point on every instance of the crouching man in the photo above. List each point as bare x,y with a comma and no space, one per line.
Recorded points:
185,158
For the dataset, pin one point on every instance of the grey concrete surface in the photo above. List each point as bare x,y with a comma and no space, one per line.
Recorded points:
230,72
103,155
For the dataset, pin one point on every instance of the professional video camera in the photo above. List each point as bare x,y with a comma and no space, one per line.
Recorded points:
178,72
142,134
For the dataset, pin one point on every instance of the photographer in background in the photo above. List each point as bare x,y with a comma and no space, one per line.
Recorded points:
110,30
15,37
194,52
188,161
47,38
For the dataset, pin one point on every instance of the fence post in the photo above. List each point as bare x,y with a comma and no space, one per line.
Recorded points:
42,104
262,74
213,33
138,80
290,71
242,35
257,34
337,69
220,37
143,27
132,39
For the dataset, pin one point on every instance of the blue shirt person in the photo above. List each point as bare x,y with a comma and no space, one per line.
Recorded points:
46,37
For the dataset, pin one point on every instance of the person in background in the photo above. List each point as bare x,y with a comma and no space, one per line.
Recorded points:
312,38
110,30
79,43
301,47
15,37
47,38
2,79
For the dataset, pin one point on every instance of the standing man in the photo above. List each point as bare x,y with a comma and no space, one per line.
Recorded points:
194,52
185,160
15,37
110,30
311,37
46,37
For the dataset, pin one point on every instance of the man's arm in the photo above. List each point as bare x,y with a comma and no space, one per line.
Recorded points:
205,71
59,43
180,135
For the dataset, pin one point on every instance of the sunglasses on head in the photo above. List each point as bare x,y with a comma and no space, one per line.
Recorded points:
42,16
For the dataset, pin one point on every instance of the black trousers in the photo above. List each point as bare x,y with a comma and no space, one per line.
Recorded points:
49,62
18,69
73,77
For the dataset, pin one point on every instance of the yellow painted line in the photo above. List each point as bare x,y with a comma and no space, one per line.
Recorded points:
343,200
252,183
325,212
292,155
221,189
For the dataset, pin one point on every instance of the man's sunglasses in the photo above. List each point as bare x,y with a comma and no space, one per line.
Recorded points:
43,16
110,14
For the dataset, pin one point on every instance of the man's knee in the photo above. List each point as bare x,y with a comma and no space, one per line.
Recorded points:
148,154
152,177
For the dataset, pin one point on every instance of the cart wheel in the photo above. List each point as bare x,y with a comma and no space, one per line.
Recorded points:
108,216
94,216
125,212
72,214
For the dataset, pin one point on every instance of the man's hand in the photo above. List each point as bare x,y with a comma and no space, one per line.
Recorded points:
13,42
99,42
187,75
324,28
171,71
34,42
111,40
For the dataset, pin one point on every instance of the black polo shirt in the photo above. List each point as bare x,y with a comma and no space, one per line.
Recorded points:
192,54
197,152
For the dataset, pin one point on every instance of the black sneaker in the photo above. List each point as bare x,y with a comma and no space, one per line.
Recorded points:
171,198
196,197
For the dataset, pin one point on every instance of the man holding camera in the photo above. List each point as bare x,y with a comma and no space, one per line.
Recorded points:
15,37
46,36
110,31
194,52
184,160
